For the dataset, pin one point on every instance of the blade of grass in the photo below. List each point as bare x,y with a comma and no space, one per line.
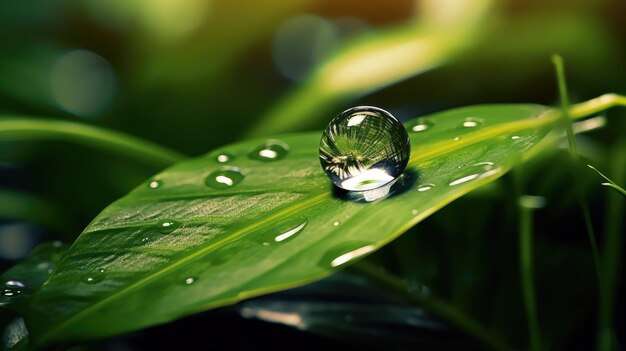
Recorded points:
432,304
526,205
609,183
376,60
612,248
20,128
573,151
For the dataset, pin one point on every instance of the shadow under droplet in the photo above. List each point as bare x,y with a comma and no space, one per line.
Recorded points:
407,180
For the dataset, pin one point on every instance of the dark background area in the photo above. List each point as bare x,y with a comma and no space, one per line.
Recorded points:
193,75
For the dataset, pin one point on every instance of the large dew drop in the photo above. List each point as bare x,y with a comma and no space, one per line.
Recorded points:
364,148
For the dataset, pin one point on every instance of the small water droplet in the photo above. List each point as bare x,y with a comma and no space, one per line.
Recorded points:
472,122
11,292
364,148
422,124
224,178
271,150
425,187
153,184
167,226
347,253
144,239
478,170
14,284
336,223
457,138
44,266
94,277
190,280
515,137
290,233
414,212
224,157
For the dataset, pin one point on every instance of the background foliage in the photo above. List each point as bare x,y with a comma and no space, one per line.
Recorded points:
233,69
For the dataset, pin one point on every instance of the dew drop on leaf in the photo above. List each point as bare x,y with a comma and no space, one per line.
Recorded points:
290,233
166,226
472,122
224,178
224,157
271,150
94,277
425,187
189,281
478,170
15,284
346,253
153,184
364,148
422,124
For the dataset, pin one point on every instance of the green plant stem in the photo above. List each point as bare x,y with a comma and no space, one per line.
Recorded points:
432,304
20,128
573,151
526,269
612,248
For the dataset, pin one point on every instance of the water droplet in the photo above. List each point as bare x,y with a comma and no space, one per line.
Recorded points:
57,244
478,170
167,226
422,124
364,148
224,178
14,284
190,280
515,137
347,253
425,187
224,157
11,292
414,212
336,223
472,122
271,150
153,184
94,277
44,265
457,138
290,233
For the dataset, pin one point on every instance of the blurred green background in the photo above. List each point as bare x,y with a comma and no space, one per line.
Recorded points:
196,74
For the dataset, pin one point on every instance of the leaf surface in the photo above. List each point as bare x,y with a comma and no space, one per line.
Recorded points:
175,246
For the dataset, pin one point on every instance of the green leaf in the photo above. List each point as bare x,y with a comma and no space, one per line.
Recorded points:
175,246
20,282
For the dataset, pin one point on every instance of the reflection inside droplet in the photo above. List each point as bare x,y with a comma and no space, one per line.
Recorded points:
364,148
189,281
367,180
154,184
